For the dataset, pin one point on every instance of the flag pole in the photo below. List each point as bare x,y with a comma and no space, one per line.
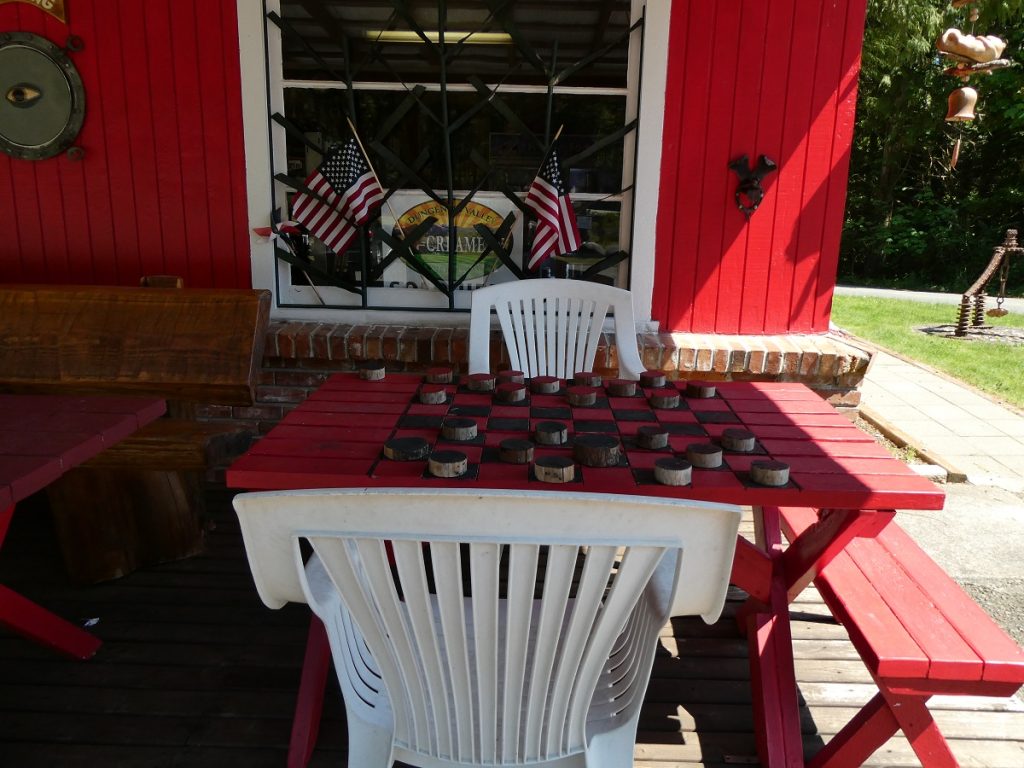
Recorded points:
387,200
550,147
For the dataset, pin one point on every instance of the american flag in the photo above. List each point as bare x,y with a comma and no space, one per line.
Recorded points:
347,192
548,197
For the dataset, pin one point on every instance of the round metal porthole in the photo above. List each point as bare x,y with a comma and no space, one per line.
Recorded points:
42,100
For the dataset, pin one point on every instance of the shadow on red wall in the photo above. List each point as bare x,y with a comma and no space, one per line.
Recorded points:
750,77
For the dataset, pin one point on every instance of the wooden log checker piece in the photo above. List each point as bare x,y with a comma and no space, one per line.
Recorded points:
380,433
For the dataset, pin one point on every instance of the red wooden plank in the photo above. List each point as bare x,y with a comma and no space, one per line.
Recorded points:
316,667
355,396
870,491
236,154
670,200
307,432
709,405
24,475
165,49
837,448
789,185
38,624
842,137
351,381
302,417
857,741
951,658
138,79
96,194
717,184
1003,659
804,419
217,56
770,120
108,427
751,570
736,251
792,432
696,90
256,472
823,76
336,406
317,448
921,731
773,679
831,465
69,448
831,533
792,407
880,638
120,169
609,480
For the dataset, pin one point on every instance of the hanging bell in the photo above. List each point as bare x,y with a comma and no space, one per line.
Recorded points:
961,104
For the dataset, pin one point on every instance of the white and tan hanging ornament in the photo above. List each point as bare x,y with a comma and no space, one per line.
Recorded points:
977,48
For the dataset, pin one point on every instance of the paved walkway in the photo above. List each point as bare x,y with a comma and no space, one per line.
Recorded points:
957,427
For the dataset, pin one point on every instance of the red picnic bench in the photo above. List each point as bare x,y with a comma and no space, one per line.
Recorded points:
918,633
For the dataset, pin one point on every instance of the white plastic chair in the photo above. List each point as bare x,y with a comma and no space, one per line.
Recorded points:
551,327
546,663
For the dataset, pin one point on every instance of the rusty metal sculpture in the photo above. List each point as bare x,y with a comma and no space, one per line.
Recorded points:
972,304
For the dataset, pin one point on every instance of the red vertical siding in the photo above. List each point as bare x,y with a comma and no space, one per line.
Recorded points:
161,188
750,77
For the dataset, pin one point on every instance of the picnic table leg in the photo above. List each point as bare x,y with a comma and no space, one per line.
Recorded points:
876,723
773,677
316,666
36,623
815,547
921,731
859,738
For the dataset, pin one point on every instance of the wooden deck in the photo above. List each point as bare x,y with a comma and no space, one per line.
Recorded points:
195,673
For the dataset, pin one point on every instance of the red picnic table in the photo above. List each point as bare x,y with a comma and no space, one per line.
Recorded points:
336,439
41,438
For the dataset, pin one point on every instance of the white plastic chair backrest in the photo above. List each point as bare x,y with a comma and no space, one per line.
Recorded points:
552,327
497,676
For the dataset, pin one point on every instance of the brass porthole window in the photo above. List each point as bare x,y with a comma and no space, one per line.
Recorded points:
42,99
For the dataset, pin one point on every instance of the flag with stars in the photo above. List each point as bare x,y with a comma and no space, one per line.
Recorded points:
346,192
548,197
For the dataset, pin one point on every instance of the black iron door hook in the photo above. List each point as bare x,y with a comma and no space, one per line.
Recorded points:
749,192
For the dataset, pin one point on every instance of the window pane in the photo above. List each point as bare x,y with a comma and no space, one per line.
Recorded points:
554,34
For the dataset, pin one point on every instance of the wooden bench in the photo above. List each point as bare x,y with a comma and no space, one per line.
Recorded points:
140,502
918,633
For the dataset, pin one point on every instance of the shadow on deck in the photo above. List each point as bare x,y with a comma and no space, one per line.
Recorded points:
195,672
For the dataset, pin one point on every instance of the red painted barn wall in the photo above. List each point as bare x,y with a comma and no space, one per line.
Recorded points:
752,77
161,189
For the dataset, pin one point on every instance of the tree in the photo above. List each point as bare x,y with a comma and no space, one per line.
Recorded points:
912,220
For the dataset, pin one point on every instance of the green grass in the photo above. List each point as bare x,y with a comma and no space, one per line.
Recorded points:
891,323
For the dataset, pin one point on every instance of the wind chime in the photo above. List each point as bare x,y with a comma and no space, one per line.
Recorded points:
968,55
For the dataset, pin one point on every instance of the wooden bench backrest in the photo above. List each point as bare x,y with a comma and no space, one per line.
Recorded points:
194,345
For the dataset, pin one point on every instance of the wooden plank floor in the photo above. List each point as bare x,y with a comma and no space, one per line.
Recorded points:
195,672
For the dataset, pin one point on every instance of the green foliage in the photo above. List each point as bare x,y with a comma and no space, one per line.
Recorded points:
893,324
912,220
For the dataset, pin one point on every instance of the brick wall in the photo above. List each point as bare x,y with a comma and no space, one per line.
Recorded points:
300,356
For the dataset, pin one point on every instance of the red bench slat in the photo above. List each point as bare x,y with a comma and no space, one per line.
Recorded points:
1003,658
879,636
908,619
951,658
